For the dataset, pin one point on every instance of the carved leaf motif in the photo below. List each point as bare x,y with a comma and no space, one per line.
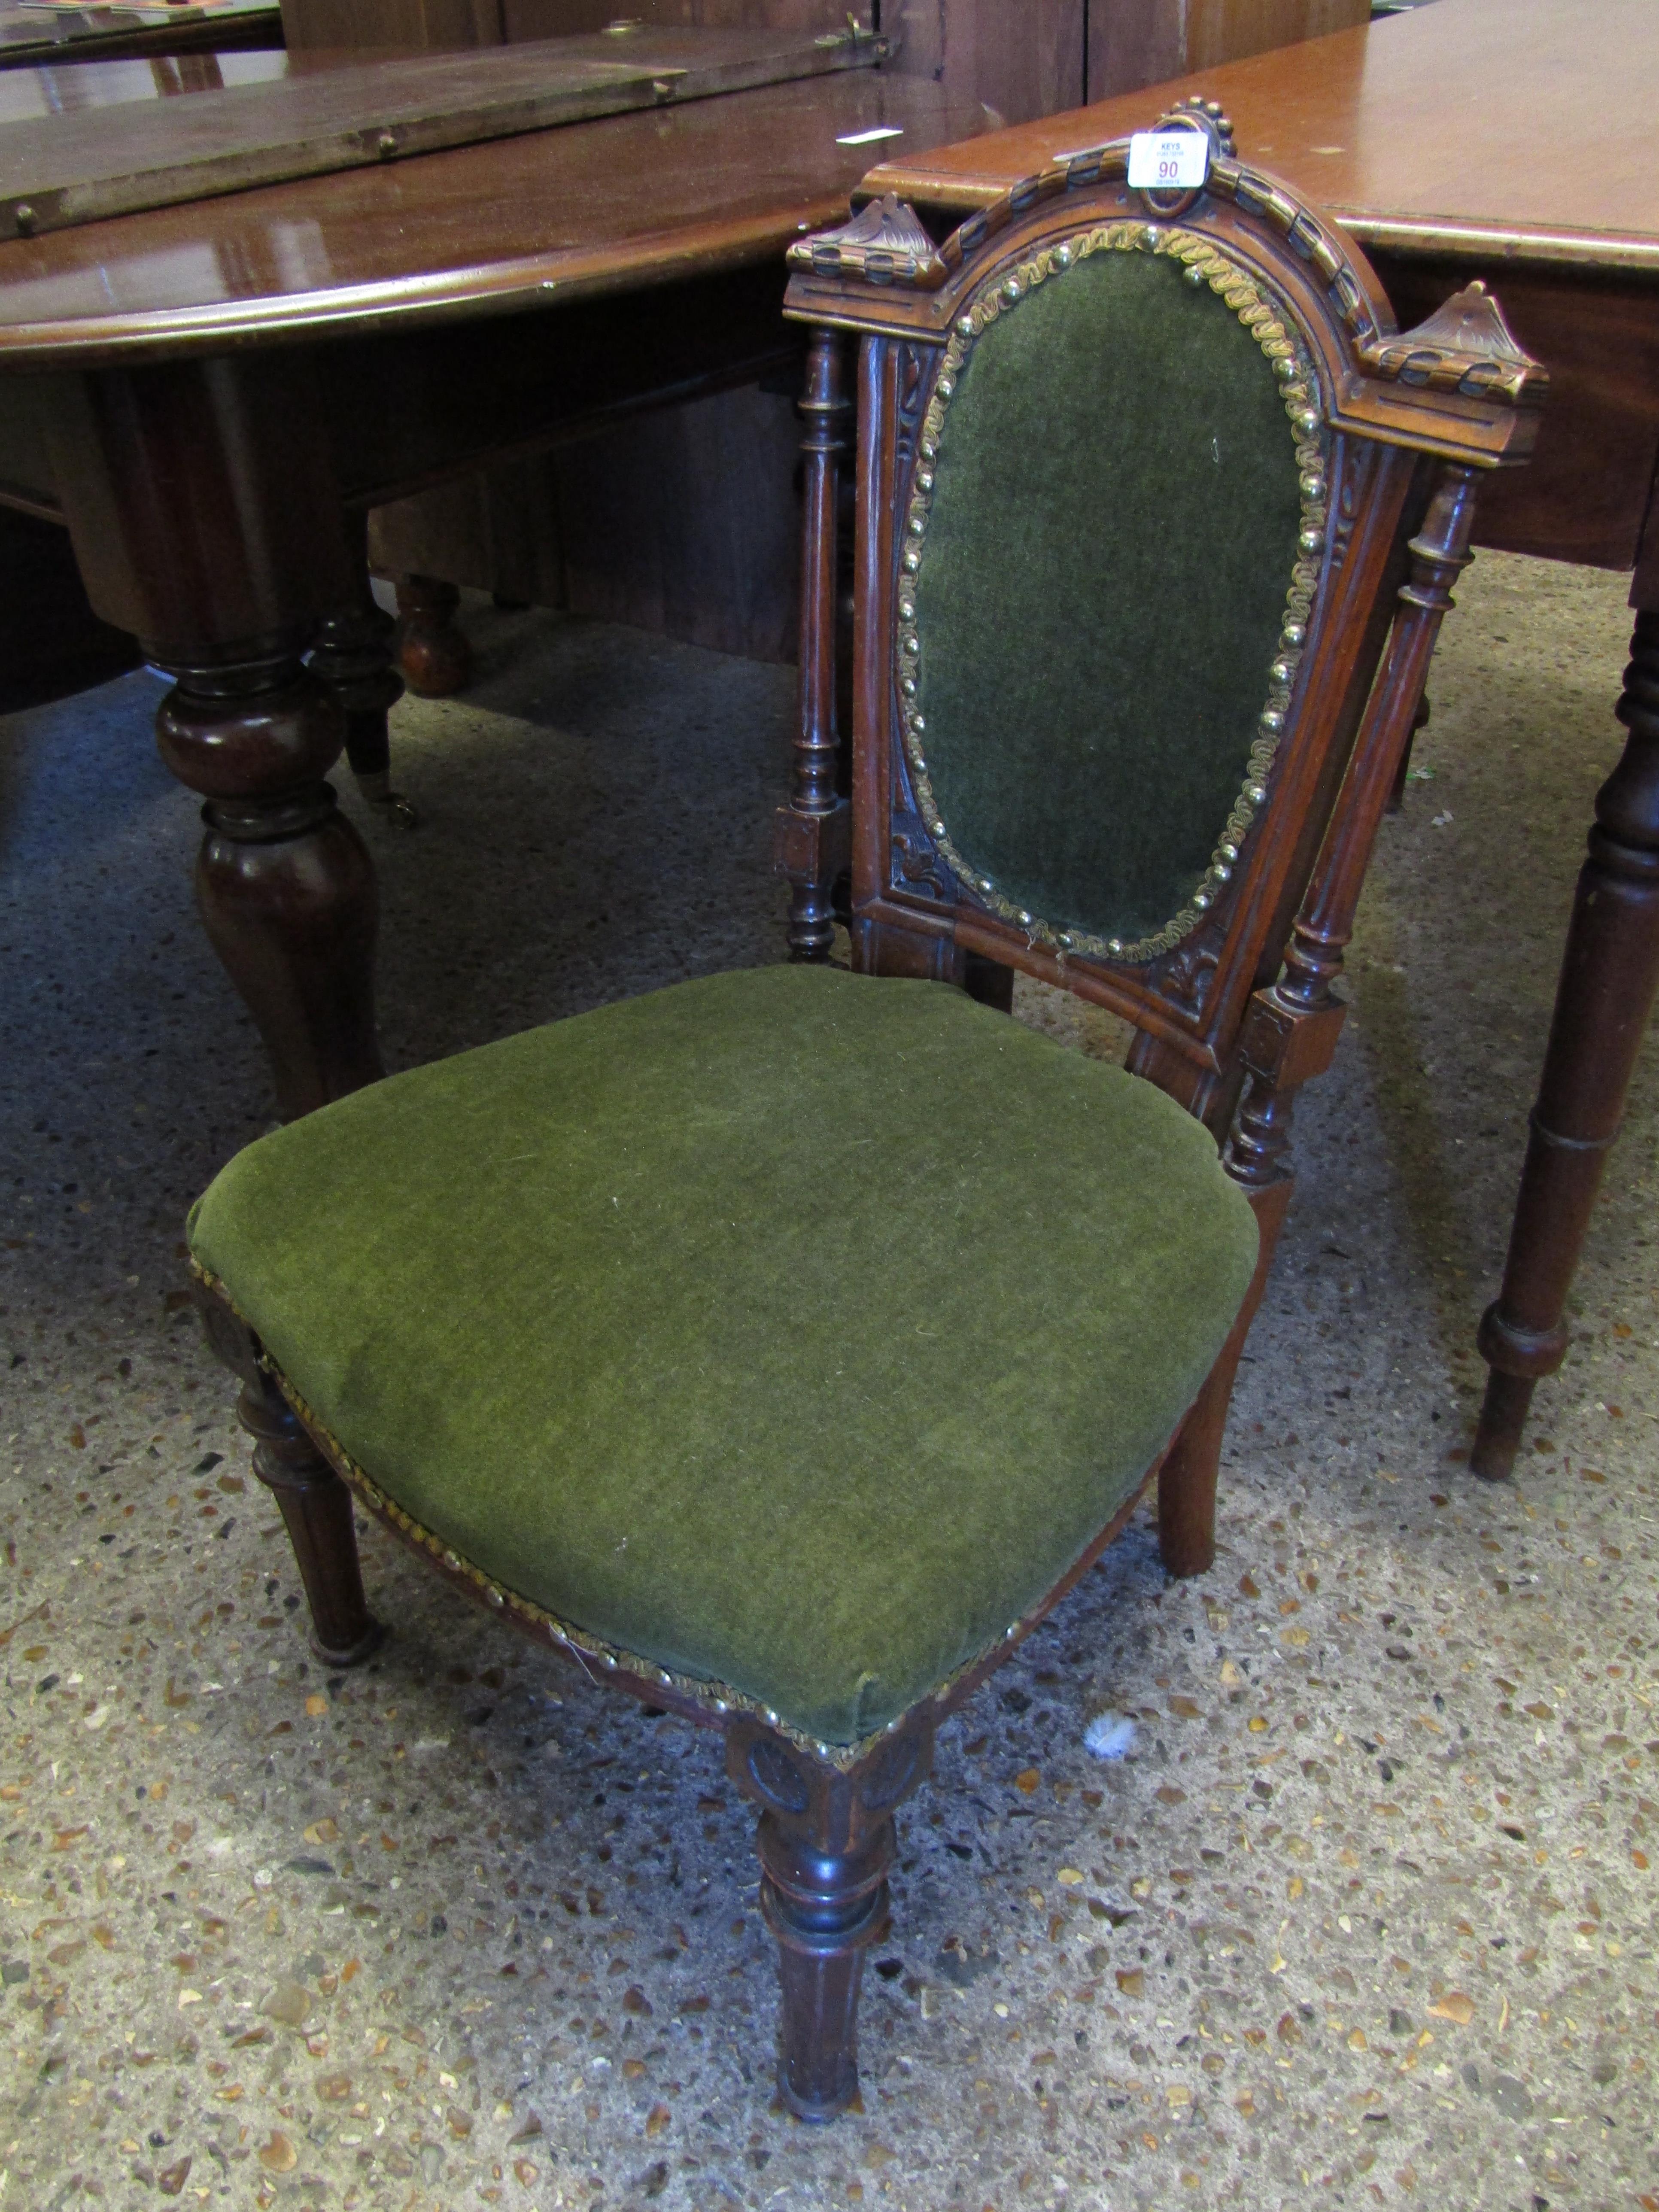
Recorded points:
916,862
883,243
1464,346
1188,977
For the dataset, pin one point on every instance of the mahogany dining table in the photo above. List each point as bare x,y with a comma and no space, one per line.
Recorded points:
1505,140
209,394
201,392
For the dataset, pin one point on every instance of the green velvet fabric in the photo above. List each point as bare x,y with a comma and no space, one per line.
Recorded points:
790,1329
1115,522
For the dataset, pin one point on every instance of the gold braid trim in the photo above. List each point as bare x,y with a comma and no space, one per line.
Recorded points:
1203,262
720,1697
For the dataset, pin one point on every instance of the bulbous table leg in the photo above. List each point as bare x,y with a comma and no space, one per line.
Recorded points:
207,518
285,886
434,656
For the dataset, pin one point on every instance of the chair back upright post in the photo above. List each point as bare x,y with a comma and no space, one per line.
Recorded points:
1203,841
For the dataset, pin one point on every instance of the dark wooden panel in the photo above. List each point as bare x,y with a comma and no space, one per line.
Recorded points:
1584,493
684,522
493,531
1022,62
51,641
410,410
687,522
1137,42
427,25
549,18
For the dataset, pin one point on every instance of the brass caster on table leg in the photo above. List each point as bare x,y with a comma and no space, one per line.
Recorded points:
388,805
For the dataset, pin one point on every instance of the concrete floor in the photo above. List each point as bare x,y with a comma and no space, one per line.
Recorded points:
1364,1915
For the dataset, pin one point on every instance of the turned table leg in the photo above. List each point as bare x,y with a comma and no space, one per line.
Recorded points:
353,655
205,512
434,656
1608,976
285,885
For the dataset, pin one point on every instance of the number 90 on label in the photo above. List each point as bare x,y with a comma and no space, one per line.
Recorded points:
1168,161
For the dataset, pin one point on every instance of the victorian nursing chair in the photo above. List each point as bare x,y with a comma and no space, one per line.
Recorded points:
783,1346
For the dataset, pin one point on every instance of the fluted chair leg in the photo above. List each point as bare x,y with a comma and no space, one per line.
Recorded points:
825,1909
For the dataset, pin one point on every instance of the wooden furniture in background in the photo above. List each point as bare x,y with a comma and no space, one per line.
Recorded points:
605,530
1147,42
203,393
51,644
1015,1178
31,38
1523,186
1022,58
1021,61
63,170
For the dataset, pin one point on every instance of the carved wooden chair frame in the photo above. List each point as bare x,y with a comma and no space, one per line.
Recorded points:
1235,1007
1401,428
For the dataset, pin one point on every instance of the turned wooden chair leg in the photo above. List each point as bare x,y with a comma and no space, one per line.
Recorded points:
825,1908
1187,1479
317,1507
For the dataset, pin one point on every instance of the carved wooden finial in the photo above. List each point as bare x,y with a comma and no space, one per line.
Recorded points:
883,243
1464,346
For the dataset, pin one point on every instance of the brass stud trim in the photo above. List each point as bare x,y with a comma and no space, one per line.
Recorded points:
1204,265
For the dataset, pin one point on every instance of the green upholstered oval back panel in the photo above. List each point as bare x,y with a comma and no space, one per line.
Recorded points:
1102,588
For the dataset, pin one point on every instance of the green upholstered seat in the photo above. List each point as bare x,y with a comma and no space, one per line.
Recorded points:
792,1330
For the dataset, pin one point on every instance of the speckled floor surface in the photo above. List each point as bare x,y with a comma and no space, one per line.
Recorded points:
1366,1914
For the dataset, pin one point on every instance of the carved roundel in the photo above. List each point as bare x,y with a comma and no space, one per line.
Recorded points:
889,1775
776,1776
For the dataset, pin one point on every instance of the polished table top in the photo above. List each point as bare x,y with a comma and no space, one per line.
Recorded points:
557,215
32,35
1499,130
